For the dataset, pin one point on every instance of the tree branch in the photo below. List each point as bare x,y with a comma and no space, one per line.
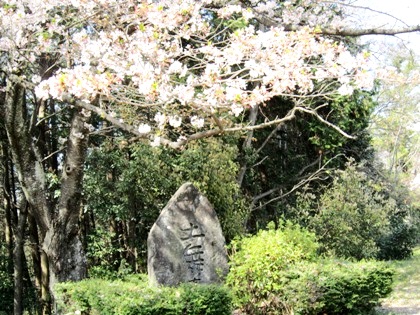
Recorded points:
364,8
173,144
203,134
311,177
371,31
28,165
352,32
336,128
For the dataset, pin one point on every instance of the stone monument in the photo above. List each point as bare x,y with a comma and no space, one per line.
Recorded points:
186,243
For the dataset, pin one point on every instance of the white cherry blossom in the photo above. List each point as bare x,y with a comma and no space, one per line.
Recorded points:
345,89
162,57
160,119
144,129
175,121
197,122
237,110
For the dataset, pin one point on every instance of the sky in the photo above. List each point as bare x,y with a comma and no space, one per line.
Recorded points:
405,10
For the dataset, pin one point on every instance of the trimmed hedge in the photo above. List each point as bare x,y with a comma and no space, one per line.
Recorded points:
336,287
278,272
133,296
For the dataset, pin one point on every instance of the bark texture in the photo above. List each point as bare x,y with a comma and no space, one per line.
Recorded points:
67,261
19,259
61,255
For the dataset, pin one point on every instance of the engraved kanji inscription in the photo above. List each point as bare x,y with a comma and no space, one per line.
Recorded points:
192,238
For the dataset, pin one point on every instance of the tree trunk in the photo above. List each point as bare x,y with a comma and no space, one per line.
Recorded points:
62,252
40,274
247,145
62,243
45,289
26,156
5,189
6,205
131,244
19,259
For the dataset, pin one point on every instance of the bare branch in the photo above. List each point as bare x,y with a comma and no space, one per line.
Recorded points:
275,130
218,122
352,32
336,128
314,176
371,31
365,8
317,161
102,113
40,120
204,134
130,129
54,153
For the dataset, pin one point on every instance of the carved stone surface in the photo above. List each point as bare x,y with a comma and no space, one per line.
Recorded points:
186,243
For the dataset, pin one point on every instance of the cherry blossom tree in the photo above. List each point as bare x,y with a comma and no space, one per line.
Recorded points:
165,71
396,121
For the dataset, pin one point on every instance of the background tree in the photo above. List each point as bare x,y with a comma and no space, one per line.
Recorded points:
395,123
303,152
6,238
360,216
126,187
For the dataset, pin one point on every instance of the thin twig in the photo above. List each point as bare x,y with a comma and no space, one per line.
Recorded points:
310,178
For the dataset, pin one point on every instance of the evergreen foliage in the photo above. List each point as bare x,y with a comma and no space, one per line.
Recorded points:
332,286
133,295
128,187
278,272
360,216
281,159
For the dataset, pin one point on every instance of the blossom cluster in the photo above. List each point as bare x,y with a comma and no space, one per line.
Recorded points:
312,13
167,56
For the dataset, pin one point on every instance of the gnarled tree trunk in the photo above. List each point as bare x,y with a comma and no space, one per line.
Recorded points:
57,223
67,260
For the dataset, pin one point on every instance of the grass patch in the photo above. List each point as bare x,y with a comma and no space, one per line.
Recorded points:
405,298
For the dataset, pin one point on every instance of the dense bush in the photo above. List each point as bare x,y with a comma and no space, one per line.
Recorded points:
278,272
352,217
402,236
133,296
336,287
360,216
258,265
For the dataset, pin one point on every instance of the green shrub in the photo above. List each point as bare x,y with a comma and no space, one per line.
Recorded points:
133,296
352,216
205,300
278,272
360,216
402,238
259,264
337,287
